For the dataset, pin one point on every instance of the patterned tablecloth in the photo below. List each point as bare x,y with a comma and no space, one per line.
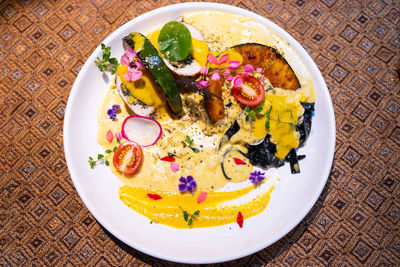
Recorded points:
356,45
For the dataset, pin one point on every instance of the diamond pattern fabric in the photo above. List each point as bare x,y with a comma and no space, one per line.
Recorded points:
44,44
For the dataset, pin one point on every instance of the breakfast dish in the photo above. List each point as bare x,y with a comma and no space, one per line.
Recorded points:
197,104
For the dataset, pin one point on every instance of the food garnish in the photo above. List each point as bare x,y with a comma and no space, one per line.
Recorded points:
250,114
109,136
175,41
112,112
174,166
239,161
248,90
100,157
239,219
168,158
187,184
188,142
106,63
257,177
143,130
154,196
189,218
128,157
202,197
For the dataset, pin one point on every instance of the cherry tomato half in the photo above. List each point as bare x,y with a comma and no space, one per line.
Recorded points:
250,92
128,157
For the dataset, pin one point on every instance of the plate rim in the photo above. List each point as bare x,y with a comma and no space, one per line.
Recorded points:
210,6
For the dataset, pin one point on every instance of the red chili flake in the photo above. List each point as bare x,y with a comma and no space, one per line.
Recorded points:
239,219
168,158
239,161
154,196
109,136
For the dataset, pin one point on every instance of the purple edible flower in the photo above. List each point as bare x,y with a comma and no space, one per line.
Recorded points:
112,112
187,184
256,177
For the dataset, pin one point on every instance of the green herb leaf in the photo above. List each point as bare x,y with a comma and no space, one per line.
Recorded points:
118,141
175,41
188,139
190,221
106,63
114,149
108,151
100,156
247,109
195,150
151,222
258,109
267,124
185,216
107,162
197,212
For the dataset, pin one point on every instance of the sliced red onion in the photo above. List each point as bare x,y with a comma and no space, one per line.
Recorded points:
143,130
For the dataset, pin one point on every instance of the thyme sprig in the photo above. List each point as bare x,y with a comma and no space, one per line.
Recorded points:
106,63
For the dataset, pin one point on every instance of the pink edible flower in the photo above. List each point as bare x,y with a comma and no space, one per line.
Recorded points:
125,60
204,83
248,68
202,197
174,166
130,53
223,59
118,135
204,70
230,78
215,76
212,59
262,78
237,82
226,73
259,70
132,75
234,64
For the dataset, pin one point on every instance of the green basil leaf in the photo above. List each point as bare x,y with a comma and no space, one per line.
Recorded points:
175,41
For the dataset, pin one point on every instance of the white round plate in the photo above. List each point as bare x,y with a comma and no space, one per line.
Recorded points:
98,187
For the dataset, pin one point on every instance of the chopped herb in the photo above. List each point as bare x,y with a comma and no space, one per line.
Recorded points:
107,63
188,142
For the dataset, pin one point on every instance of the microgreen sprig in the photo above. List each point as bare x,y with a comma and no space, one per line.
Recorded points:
100,157
268,116
188,142
252,113
189,218
107,63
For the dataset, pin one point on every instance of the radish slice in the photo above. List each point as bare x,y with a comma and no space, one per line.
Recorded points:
143,130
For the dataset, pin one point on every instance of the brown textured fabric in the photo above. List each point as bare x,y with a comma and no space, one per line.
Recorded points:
356,45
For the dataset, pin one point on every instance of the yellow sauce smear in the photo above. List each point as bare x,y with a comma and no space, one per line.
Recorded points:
214,211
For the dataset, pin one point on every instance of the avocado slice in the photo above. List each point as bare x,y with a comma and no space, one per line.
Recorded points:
155,64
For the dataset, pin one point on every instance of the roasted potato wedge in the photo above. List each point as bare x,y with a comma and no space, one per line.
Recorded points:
274,67
214,106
